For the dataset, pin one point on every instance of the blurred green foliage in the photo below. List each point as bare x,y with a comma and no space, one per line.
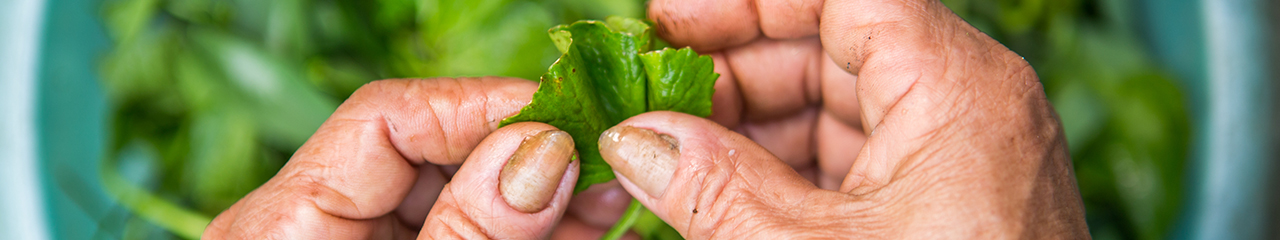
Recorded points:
210,97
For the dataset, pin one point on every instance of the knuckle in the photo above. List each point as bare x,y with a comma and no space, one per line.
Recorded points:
305,184
450,222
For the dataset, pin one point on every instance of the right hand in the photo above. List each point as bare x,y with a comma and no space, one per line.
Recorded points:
912,123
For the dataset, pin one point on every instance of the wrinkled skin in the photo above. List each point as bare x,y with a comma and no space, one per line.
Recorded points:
847,119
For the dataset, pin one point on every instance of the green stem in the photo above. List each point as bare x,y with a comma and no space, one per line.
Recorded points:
180,220
633,213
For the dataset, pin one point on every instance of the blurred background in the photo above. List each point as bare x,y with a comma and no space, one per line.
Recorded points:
142,119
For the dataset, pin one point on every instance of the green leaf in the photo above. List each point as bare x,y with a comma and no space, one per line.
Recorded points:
607,74
611,60
649,226
670,87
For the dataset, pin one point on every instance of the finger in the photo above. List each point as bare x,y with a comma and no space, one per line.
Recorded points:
898,41
360,164
893,46
707,181
783,19
790,139
290,215
705,25
839,133
839,93
515,185
441,120
838,145
601,205
361,160
779,79
413,210
726,107
776,78
718,24
938,98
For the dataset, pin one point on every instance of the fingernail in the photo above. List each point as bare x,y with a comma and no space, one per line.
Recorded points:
645,157
529,180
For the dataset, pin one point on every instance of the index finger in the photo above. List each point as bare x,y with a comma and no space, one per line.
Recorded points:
364,155
360,163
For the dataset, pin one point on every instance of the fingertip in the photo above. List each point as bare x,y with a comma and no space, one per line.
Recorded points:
641,154
710,159
515,184
529,179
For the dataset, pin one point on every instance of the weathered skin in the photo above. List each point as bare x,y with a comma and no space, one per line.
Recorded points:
943,133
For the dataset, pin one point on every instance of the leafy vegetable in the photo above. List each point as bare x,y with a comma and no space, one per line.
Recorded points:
607,74
176,74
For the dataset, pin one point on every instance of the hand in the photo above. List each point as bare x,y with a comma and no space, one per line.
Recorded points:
380,168
924,127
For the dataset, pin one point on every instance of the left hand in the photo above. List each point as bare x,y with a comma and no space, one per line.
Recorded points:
380,167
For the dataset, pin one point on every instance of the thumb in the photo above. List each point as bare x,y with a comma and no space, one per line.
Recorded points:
709,182
515,185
